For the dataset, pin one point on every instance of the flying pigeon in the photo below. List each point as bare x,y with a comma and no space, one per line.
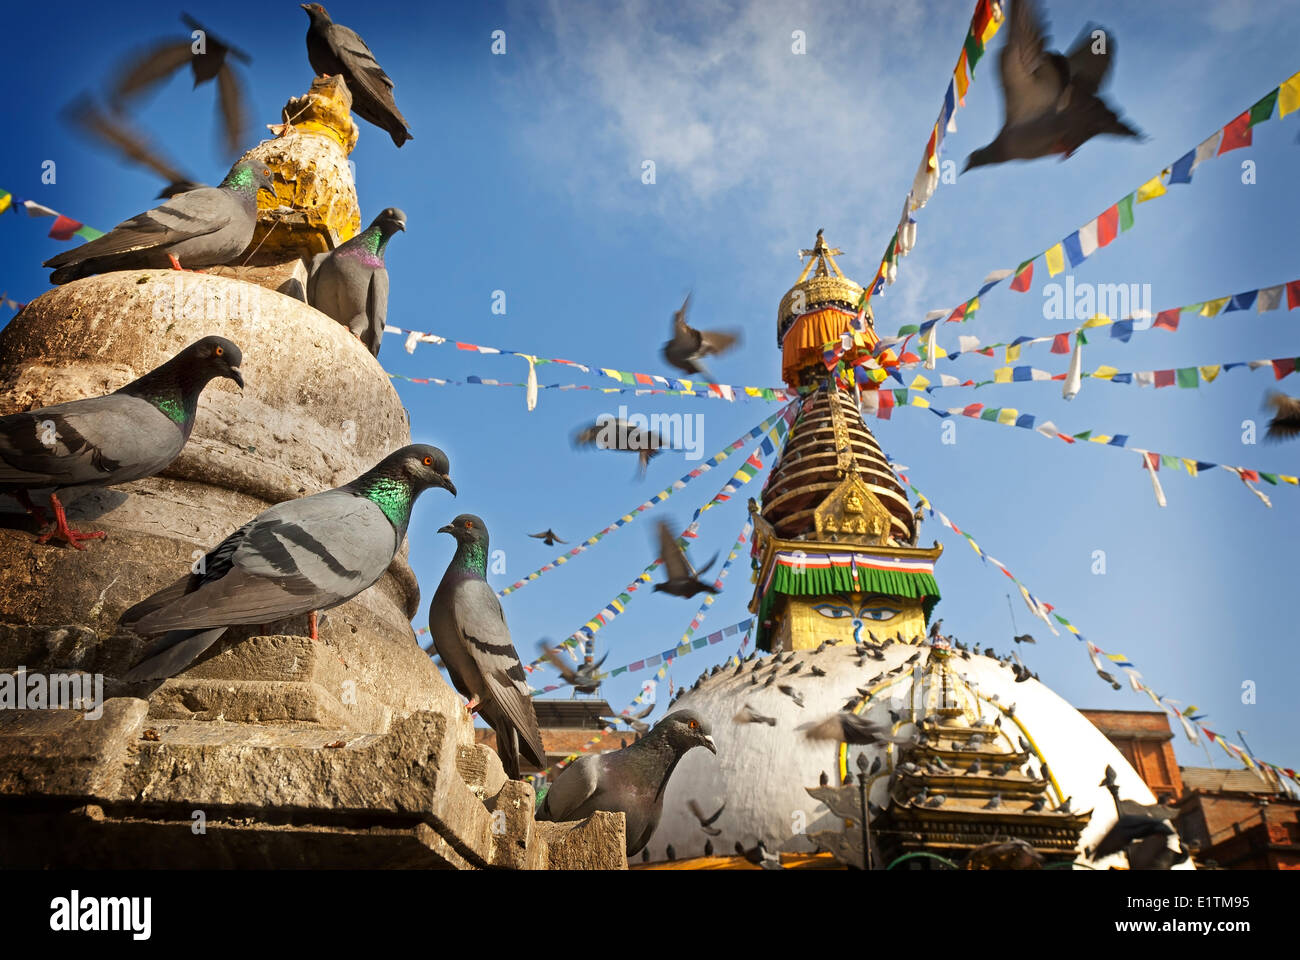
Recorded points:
688,345
1132,807
470,634
1050,102
1013,854
612,433
683,579
208,57
350,283
748,714
203,227
1129,829
114,132
706,823
583,678
1024,638
846,727
335,50
636,720
759,856
792,693
1286,418
135,432
297,557
548,537
631,781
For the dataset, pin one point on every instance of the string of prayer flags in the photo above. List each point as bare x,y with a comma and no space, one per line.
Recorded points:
473,380
1047,613
1119,217
64,227
710,598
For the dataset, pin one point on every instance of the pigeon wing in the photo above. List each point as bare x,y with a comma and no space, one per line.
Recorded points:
675,562
151,68
230,101
1032,77
717,341
571,795
377,307
1088,69
83,114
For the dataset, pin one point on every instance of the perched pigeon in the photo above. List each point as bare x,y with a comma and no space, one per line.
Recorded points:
1286,418
683,579
994,803
334,50
1050,102
748,714
208,61
706,823
708,848
792,693
612,433
759,856
134,432
1038,804
547,537
298,557
204,227
848,727
130,144
631,781
470,634
688,345
583,678
350,283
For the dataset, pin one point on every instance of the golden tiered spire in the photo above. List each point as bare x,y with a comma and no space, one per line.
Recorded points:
818,310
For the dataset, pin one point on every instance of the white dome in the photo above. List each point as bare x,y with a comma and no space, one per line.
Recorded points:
761,771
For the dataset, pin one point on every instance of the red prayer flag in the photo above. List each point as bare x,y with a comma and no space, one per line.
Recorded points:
1020,283
1236,134
1251,475
1152,459
973,410
1164,378
65,228
983,14
1293,294
1061,343
1282,367
1108,226
1167,319
957,314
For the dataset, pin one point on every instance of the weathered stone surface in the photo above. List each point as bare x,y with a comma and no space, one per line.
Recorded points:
61,753
514,845
597,843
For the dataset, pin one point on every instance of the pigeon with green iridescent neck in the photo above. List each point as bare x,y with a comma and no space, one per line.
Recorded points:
470,635
296,558
135,432
203,228
350,283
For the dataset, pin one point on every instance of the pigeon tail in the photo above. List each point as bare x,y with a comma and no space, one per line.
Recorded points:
173,652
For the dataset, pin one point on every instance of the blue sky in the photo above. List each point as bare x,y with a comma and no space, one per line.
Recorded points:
524,176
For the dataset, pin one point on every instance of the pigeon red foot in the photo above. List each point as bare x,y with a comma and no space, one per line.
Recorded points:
63,531
176,265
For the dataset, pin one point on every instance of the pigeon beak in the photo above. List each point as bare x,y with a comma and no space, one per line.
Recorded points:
708,742
447,528
446,484
237,376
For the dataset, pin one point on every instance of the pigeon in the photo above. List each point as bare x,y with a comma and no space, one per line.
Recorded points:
547,537
995,801
470,634
1024,638
817,671
759,856
688,345
211,60
795,669
1002,769
636,721
1050,102
846,727
934,629
1024,744
683,579
350,283
583,679
1153,853
631,781
1013,854
335,50
297,557
114,132
1129,829
708,848
1115,684
1286,417
706,823
875,766
824,780
936,801
748,714
645,856
670,853
792,693
1065,805
1132,807
613,433
1019,669
135,432
1038,804
203,227
975,767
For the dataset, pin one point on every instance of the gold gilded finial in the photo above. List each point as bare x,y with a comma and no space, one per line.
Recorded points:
822,255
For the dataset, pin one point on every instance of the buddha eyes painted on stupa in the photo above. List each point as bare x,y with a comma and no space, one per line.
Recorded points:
875,611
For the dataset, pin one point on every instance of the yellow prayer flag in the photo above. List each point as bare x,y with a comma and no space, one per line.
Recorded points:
1008,416
919,401
1105,373
1294,481
1288,97
753,392
990,29
1098,320
1013,352
1152,188
1209,373
963,81
1100,438
4,202
1211,308
1190,466
919,383
1002,375
1055,260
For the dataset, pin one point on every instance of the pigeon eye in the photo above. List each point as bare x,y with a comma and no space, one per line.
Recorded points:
220,351
469,524
428,461
693,724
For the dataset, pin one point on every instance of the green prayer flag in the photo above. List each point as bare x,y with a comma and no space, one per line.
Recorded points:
1262,110
974,50
1125,213
1270,477
1188,377
990,414
1083,436
909,328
